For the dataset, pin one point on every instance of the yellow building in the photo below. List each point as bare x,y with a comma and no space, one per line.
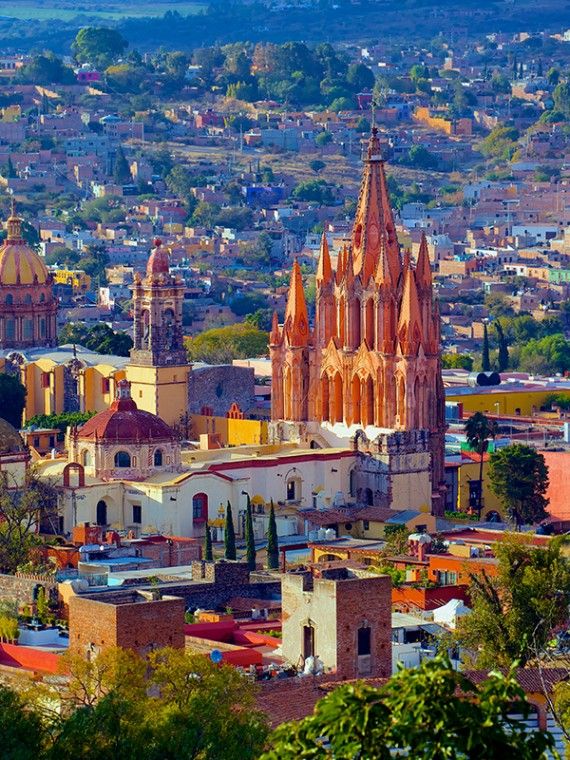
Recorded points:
515,401
77,278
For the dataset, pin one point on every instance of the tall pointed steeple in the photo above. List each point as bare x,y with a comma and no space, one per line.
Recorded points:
410,322
296,318
374,219
275,334
423,266
324,269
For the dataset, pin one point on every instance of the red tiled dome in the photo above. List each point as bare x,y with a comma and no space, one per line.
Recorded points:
158,262
123,422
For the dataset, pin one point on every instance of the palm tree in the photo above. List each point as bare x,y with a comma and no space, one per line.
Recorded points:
479,430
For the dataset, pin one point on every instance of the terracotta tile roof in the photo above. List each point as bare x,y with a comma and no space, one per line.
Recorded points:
531,680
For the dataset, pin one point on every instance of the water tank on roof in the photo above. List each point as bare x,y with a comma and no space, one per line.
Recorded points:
330,534
483,379
321,534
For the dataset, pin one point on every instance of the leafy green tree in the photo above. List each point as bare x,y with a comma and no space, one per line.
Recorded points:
100,338
500,143
272,541
553,76
421,158
431,712
515,612
20,727
519,477
360,77
45,69
22,509
314,190
208,551
457,361
121,170
61,421
125,78
98,45
546,355
249,537
323,138
229,534
12,399
317,165
485,360
479,430
223,344
561,96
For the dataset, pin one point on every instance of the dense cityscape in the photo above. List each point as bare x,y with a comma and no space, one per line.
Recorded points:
284,379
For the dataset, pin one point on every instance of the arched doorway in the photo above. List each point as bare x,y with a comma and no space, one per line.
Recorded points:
101,513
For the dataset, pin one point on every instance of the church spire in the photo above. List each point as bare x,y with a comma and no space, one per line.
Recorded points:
324,270
410,322
296,318
275,334
423,266
374,219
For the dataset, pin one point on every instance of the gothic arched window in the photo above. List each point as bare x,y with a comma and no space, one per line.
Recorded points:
9,299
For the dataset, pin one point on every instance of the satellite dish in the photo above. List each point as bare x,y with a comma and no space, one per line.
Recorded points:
216,656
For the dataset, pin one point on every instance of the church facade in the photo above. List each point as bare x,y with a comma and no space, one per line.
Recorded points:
370,369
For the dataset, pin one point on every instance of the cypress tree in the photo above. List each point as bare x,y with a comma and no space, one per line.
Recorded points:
249,537
229,534
122,170
272,542
503,358
208,553
485,361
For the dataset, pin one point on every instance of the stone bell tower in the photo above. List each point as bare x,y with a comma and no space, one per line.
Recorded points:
158,369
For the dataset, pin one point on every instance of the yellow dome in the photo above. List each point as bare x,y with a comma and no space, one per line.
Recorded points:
20,264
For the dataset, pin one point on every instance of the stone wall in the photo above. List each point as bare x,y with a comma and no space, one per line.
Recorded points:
21,590
218,387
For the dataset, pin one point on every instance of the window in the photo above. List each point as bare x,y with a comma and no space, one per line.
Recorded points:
352,482
158,458
137,514
27,299
28,329
308,641
9,299
51,441
42,298
36,441
291,490
364,641
122,459
10,329
366,524
200,507
45,380
86,458
105,385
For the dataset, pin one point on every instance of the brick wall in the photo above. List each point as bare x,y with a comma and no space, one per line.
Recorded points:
126,619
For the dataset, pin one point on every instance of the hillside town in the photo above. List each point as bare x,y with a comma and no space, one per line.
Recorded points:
285,390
